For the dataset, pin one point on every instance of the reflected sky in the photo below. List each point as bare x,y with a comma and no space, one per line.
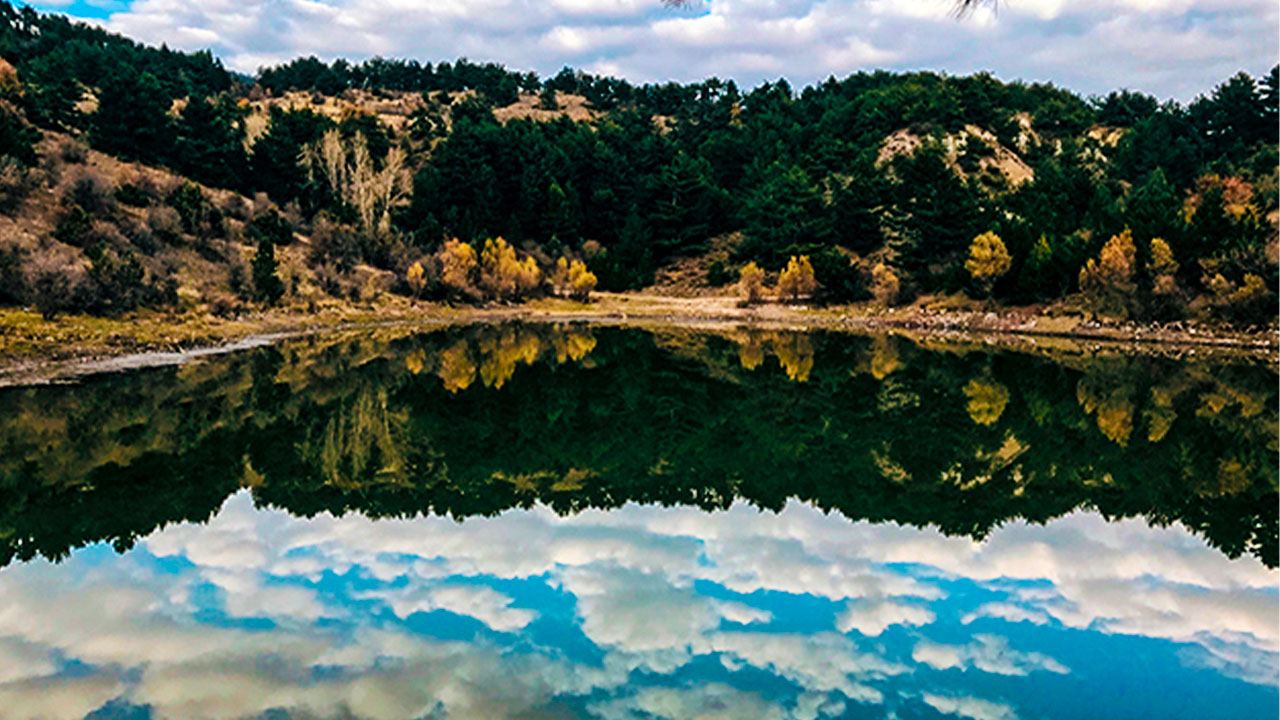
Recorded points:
640,612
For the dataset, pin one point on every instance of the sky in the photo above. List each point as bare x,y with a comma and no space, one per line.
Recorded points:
640,612
1171,48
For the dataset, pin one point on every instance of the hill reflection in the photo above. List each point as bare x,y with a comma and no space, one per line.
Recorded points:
476,420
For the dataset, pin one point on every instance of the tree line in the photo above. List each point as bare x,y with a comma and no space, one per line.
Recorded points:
660,171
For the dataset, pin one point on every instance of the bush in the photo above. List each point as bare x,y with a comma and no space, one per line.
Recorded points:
266,283
751,283
503,276
16,183
839,276
335,245
458,265
718,275
885,286
73,151
93,192
797,279
117,281
165,224
581,281
74,226
988,261
52,281
133,195
13,282
272,226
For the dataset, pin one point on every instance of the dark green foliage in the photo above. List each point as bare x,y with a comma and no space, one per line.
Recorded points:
839,278
210,142
132,121
784,214
936,215
274,161
684,205
117,281
17,137
133,195
267,287
547,99
718,275
13,279
193,208
74,226
1125,108
273,227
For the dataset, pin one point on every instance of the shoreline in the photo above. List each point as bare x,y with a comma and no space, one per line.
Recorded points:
35,352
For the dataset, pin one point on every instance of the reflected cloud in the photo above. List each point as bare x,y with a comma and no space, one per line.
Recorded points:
335,605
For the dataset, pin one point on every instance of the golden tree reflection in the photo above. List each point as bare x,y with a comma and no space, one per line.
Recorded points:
987,400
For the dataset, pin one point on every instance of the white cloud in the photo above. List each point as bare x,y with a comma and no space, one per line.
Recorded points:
969,707
990,653
1170,47
873,618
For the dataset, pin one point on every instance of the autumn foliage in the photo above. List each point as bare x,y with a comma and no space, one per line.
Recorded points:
797,279
751,283
1108,281
988,260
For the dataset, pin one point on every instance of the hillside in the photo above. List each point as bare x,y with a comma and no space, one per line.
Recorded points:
140,177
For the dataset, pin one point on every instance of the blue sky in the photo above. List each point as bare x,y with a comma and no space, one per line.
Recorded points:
1172,48
641,612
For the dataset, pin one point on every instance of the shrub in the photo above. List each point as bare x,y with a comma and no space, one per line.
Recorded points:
13,282
502,275
335,245
164,223
16,183
272,226
718,275
885,286
192,207
73,151
458,268
797,279
117,281
581,281
751,283
839,276
416,277
133,195
93,192
52,281
74,226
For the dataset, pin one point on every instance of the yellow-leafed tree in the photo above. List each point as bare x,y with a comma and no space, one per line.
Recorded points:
458,267
1107,282
581,281
417,278
797,279
988,261
751,283
884,285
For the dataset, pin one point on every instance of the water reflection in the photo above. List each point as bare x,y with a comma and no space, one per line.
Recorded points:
556,521
640,612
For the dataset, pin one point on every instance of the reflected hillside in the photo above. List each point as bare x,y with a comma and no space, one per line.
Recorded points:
476,420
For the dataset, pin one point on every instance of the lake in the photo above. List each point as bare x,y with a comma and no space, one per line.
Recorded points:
541,521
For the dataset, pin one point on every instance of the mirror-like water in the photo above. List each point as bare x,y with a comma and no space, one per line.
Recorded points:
538,521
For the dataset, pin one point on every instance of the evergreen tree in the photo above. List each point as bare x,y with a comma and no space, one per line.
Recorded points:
266,283
132,120
684,203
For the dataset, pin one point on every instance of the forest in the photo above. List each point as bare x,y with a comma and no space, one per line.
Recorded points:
470,182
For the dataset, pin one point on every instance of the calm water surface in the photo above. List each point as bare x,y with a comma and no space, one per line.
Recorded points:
562,522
